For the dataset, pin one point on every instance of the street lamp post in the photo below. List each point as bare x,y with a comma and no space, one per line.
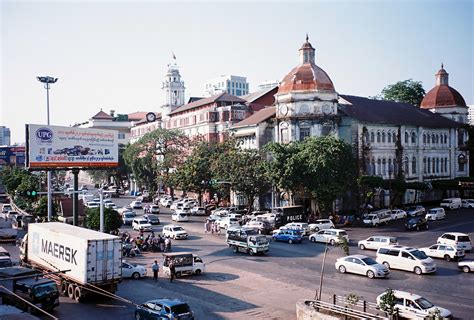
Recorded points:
47,81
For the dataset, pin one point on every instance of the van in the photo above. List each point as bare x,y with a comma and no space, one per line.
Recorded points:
456,239
405,258
376,242
451,203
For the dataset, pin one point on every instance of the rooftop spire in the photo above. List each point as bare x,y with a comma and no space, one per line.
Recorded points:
307,52
307,38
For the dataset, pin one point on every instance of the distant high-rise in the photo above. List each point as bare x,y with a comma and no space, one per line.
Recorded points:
267,84
4,136
471,115
234,85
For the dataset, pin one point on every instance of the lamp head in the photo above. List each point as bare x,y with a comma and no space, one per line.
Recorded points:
47,79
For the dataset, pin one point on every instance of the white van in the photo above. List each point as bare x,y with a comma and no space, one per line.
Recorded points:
405,258
376,242
451,203
456,239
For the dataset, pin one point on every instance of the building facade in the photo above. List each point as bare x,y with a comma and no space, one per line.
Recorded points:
233,85
5,135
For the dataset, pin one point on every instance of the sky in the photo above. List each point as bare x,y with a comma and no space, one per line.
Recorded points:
113,55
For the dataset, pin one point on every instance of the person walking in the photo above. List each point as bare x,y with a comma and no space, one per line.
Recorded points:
172,270
155,267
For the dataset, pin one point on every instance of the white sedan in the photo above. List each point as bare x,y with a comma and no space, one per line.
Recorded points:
444,251
468,203
133,271
321,224
466,265
361,264
179,216
398,214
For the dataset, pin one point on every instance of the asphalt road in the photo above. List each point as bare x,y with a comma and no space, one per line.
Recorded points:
239,286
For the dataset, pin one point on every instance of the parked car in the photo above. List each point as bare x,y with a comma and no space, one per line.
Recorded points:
413,306
468,203
136,204
198,211
375,242
444,251
228,222
451,203
331,236
466,265
416,223
456,238
141,224
435,214
133,271
152,218
321,224
288,235
405,258
164,309
414,211
361,264
398,214
179,216
155,209
174,232
262,227
127,217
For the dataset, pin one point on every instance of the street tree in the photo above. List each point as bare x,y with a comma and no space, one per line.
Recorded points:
322,167
117,174
155,155
407,91
112,220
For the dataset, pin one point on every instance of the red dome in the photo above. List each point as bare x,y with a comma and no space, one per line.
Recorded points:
442,96
306,77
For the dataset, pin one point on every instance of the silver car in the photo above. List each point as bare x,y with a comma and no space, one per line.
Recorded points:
133,271
363,265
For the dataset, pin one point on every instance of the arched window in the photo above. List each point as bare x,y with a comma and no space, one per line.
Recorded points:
389,137
429,165
445,139
413,165
445,164
378,137
437,139
428,141
407,166
379,164
383,136
413,138
424,165
433,138
372,137
406,137
433,166
424,138
372,171
366,137
437,165
384,167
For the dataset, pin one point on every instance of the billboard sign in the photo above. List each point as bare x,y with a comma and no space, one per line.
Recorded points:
53,147
12,156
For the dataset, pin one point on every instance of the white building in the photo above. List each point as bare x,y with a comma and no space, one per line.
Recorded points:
4,136
234,85
173,90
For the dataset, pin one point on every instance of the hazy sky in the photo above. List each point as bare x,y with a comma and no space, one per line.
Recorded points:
114,55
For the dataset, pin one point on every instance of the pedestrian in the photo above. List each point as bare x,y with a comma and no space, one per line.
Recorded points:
172,270
155,267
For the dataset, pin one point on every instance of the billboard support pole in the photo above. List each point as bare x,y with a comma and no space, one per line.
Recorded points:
75,197
101,195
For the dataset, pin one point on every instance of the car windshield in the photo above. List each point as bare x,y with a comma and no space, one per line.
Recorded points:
413,221
128,215
44,289
178,229
369,261
180,308
420,255
424,304
262,240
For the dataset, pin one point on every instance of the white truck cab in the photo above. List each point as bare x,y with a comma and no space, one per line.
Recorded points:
185,263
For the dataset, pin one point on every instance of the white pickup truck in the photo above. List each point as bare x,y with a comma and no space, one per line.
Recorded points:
246,240
185,263
377,218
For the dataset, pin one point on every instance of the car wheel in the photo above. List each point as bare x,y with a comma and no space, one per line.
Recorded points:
362,247
313,239
342,269
447,258
376,225
370,274
316,229
418,270
386,264
466,269
290,241
332,242
198,272
135,276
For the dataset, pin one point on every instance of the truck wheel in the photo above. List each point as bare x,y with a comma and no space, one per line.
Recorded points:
70,291
234,249
198,272
135,276
251,252
64,285
77,294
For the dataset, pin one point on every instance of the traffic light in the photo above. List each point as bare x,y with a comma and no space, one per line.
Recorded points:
31,194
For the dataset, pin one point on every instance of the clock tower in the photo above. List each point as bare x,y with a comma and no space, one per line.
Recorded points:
173,90
306,100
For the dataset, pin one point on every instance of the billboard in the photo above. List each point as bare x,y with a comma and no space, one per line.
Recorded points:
12,156
53,147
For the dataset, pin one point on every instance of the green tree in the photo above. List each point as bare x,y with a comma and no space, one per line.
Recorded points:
118,174
112,220
323,167
388,302
407,91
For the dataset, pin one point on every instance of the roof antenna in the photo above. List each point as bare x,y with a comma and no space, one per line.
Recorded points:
442,65
307,38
